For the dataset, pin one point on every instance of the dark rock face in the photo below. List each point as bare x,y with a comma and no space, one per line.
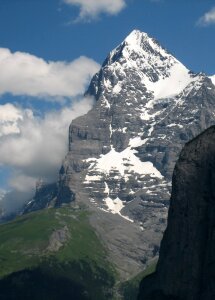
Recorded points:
47,195
185,269
44,197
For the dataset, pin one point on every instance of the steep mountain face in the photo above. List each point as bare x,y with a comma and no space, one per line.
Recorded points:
122,153
185,269
147,106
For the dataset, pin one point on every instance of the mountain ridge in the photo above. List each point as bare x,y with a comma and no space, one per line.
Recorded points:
154,63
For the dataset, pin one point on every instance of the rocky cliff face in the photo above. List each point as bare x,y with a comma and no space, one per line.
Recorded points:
185,269
122,153
44,197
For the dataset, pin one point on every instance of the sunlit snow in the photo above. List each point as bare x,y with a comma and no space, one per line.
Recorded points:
174,84
212,79
136,142
115,206
143,54
125,162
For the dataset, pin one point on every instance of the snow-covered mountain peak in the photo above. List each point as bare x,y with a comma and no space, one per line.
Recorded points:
144,44
139,45
140,61
136,37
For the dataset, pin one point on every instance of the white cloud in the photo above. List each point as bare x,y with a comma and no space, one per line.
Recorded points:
25,74
208,18
9,118
91,9
30,145
11,202
21,182
40,144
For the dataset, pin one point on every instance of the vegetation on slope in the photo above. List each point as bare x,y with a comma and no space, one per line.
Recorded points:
53,254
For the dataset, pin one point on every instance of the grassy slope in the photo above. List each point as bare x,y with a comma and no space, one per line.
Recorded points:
80,265
81,260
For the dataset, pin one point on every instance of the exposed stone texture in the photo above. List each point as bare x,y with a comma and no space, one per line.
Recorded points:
44,196
186,266
58,238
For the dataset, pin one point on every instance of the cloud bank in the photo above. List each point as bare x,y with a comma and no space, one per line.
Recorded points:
208,18
91,9
36,146
30,145
25,74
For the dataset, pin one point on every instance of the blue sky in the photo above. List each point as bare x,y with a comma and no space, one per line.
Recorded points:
50,49
41,28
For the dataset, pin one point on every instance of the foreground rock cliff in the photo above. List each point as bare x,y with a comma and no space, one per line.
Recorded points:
186,267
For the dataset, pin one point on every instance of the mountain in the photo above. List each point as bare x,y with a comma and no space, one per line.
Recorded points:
122,153
185,269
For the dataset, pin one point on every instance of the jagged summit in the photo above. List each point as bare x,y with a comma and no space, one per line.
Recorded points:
136,37
140,43
151,66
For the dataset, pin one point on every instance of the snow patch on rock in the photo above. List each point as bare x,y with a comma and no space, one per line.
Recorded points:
126,163
115,206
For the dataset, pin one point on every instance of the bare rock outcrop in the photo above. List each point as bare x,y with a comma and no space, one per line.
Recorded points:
185,269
